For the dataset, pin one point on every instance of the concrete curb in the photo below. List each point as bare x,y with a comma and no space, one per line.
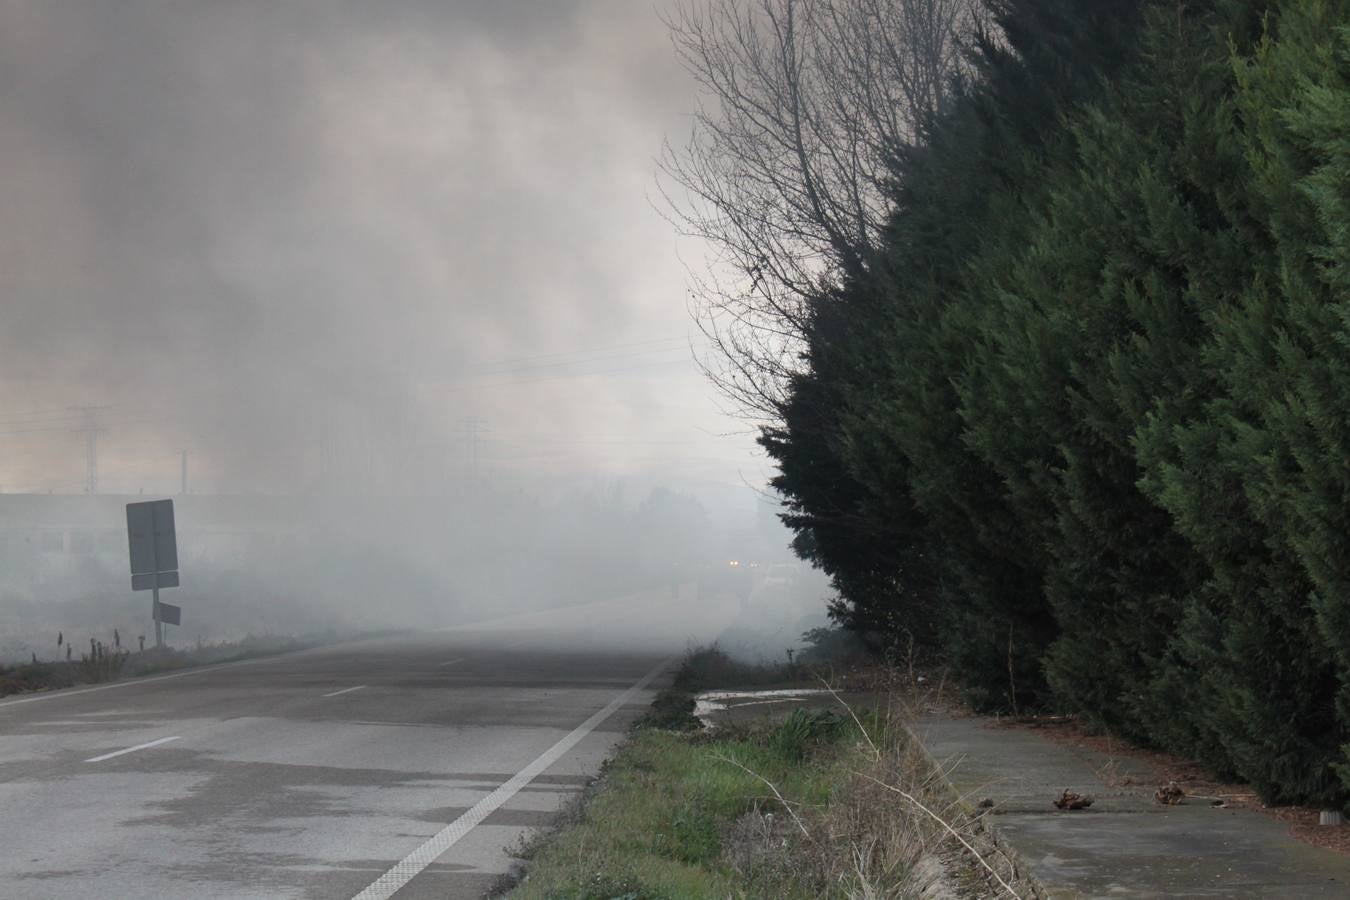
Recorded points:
1125,845
1024,881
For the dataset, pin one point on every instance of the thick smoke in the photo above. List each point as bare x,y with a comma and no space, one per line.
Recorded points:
270,231
388,268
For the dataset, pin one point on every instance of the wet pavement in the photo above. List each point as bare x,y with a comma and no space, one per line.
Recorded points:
312,775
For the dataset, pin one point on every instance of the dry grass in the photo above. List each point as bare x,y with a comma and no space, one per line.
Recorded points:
102,663
838,801
897,830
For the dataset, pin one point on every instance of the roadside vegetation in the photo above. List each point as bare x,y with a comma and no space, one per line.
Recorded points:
102,662
1053,360
830,800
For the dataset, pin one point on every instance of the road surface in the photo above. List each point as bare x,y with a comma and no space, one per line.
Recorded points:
399,767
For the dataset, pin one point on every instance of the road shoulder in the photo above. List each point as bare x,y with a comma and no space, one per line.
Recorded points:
1125,844
784,790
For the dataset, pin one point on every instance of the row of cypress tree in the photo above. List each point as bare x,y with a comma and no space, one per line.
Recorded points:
1083,428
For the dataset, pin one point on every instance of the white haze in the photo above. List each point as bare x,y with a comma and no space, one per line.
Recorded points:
392,265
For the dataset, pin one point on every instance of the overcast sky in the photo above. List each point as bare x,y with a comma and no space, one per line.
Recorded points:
290,234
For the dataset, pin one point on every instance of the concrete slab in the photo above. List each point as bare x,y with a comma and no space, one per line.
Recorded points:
1124,845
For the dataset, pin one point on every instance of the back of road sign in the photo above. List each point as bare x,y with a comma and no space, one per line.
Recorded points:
154,547
168,613
154,557
147,581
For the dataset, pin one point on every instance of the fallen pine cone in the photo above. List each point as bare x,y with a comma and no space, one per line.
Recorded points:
1070,800
1169,795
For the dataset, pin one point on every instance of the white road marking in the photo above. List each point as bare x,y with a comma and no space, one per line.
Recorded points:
131,749
345,691
450,662
408,868
201,670
56,695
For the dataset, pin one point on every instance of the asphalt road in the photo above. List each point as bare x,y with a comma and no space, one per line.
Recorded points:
399,767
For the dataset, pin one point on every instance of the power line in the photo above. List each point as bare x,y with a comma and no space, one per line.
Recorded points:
517,368
37,416
64,426
119,470
58,418
581,352
569,376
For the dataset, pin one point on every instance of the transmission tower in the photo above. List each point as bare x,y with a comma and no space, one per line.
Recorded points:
473,428
89,427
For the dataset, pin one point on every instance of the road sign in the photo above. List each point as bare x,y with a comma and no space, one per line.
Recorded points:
154,557
154,547
150,580
168,613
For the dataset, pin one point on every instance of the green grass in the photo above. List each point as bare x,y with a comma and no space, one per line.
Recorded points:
799,803
662,820
656,826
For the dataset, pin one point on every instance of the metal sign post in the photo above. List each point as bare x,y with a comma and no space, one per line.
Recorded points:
154,557
154,607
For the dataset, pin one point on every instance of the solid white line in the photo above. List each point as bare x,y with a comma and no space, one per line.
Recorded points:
202,670
345,690
450,662
56,695
131,749
408,868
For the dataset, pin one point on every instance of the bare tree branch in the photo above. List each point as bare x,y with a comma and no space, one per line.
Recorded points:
806,104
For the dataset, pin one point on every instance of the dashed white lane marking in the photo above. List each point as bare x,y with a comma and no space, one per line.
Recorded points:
345,691
450,662
408,868
131,749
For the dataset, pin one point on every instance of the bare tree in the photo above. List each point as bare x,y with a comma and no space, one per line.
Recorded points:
805,105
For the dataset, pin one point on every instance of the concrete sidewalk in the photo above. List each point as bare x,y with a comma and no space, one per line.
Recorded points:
1125,844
